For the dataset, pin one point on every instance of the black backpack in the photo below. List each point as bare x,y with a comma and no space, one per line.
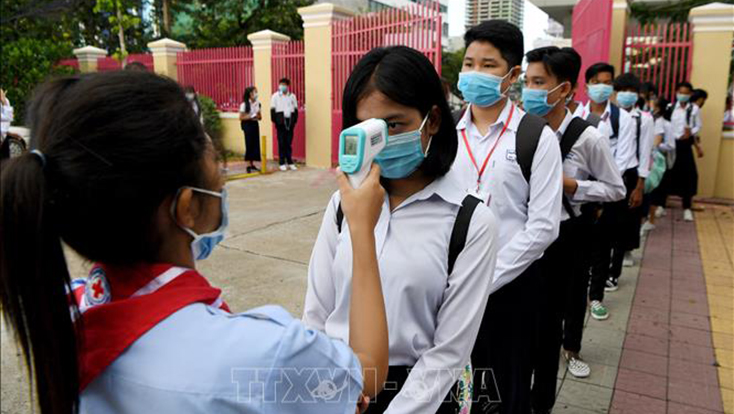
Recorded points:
458,233
526,139
568,140
595,119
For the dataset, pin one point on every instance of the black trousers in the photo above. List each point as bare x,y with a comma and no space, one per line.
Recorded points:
285,143
561,281
613,237
396,377
574,312
502,355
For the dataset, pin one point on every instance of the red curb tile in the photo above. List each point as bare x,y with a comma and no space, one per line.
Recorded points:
645,362
641,383
657,302
646,343
649,328
678,408
704,374
689,286
687,295
690,336
630,403
690,321
649,314
694,394
692,353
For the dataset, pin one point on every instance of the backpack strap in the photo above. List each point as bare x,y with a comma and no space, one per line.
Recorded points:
526,142
638,126
572,134
458,114
458,233
614,115
689,111
593,119
461,229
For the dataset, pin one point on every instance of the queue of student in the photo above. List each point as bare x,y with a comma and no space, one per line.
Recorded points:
452,279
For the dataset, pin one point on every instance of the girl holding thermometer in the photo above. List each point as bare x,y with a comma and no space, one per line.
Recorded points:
436,246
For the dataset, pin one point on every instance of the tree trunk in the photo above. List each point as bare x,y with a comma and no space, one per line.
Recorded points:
166,17
121,34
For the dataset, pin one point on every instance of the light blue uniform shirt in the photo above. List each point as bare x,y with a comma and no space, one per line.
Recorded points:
204,360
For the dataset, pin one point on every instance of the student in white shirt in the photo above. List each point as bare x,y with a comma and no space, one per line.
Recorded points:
686,120
433,310
249,121
6,115
665,143
284,114
524,190
627,87
549,77
619,127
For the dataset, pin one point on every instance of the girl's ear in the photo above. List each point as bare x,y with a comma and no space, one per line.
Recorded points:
434,121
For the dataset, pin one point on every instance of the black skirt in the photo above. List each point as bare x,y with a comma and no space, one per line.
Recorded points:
396,377
252,140
684,175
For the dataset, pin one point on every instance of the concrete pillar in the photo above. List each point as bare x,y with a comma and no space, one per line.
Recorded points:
317,24
87,57
713,32
618,33
262,50
164,56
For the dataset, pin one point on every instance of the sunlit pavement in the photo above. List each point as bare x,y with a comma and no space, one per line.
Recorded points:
670,324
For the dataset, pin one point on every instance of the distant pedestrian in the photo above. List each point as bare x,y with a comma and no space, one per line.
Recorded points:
193,98
284,114
686,121
250,116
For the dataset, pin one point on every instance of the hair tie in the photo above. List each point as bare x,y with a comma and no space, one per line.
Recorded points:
40,156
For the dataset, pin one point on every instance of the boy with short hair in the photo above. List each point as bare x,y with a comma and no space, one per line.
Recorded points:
284,114
511,160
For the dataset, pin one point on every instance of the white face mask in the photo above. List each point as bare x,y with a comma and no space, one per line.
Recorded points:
190,96
254,96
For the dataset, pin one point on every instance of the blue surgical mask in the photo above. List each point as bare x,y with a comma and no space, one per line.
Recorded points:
627,99
203,244
600,92
403,154
283,88
681,97
535,101
481,89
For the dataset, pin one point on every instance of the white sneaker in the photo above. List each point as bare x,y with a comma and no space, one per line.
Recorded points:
283,168
577,367
660,212
647,227
628,260
687,215
292,167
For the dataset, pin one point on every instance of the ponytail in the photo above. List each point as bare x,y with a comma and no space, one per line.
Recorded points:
34,283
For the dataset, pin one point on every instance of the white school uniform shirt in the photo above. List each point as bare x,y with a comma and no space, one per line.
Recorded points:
590,156
202,359
6,117
678,119
254,109
624,146
433,318
646,139
664,128
529,214
285,103
580,111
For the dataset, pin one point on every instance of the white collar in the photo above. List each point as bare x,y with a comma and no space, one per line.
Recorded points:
465,120
606,109
564,125
444,187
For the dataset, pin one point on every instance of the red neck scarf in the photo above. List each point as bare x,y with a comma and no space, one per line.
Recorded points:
120,304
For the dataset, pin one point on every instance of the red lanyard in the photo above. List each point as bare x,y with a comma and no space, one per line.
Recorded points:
480,172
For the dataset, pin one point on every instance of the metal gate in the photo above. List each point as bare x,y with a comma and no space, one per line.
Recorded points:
288,61
417,25
661,54
590,32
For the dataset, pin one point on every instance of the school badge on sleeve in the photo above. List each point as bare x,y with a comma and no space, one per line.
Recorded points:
98,289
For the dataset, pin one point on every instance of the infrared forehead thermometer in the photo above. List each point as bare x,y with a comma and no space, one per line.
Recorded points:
358,146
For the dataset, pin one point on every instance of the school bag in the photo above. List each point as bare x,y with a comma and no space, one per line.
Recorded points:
595,119
656,172
458,233
568,140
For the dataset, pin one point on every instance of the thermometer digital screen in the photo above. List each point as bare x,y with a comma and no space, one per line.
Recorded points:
350,144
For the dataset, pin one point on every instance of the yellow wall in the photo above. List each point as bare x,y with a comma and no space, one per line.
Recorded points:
711,59
263,76
232,135
166,66
318,89
725,178
617,35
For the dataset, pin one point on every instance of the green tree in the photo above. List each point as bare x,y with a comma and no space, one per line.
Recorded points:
451,66
673,10
121,19
220,23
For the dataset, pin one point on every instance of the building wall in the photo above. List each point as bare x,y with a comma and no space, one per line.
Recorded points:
478,11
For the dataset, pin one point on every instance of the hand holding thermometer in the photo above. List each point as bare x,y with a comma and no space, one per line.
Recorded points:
358,146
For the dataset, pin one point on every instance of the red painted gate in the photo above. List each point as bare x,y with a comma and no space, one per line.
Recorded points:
590,31
661,54
288,61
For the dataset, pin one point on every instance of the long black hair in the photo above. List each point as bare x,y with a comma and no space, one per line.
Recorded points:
665,109
407,77
115,146
246,97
